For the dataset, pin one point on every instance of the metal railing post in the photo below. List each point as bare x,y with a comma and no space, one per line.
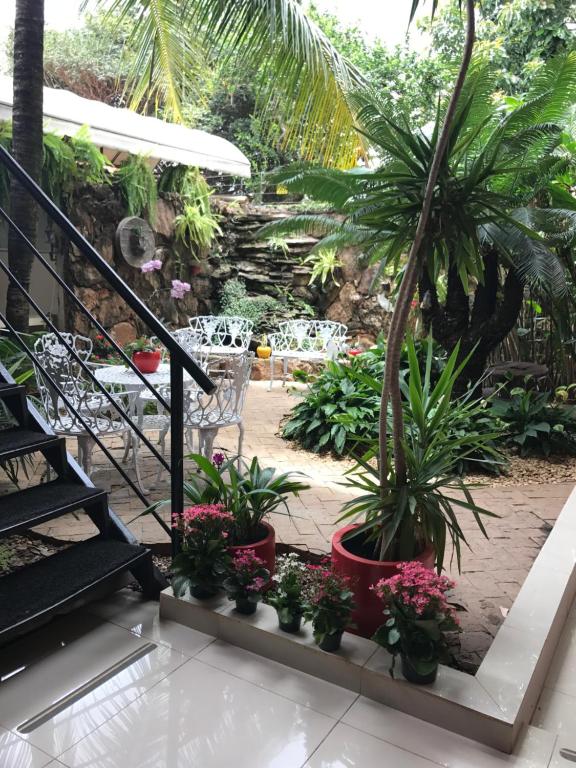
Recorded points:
176,445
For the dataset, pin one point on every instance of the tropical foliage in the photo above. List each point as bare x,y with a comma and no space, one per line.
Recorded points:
420,512
137,186
497,216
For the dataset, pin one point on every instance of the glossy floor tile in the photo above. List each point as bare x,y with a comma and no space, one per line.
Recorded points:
17,753
297,686
556,712
129,610
441,746
346,747
58,674
201,716
564,753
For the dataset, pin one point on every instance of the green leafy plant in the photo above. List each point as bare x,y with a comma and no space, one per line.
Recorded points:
329,605
137,185
235,301
249,493
420,512
534,424
58,167
340,408
203,560
325,262
417,616
143,344
91,164
196,229
15,360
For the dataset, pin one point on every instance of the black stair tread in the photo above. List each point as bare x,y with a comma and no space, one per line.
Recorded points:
53,582
15,441
11,389
32,506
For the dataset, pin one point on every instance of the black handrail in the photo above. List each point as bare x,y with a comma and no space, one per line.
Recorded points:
136,304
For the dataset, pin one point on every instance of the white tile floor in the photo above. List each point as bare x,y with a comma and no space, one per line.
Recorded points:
193,702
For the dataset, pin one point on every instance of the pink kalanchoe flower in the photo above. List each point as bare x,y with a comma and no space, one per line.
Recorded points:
151,266
179,289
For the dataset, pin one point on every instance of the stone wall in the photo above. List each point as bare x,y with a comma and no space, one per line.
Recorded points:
238,254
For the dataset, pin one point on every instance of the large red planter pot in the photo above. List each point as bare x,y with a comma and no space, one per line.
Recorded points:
364,573
265,549
147,362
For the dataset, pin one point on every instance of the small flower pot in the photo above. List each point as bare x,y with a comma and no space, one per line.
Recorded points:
331,643
415,677
203,593
247,607
292,626
264,547
147,362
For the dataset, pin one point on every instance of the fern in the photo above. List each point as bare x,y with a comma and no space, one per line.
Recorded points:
90,162
197,226
58,167
138,188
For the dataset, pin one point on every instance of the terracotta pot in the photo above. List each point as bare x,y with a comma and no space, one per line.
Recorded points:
147,362
364,573
265,548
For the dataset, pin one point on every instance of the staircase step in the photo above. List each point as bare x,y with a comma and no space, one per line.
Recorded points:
32,506
8,390
32,595
18,442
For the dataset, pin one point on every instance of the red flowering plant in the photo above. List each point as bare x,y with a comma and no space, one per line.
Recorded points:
417,616
203,560
246,580
329,606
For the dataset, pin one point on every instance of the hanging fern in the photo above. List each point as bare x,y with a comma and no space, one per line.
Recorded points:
58,167
137,185
197,226
90,162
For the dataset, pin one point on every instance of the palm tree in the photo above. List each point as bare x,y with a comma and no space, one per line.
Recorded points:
303,80
26,147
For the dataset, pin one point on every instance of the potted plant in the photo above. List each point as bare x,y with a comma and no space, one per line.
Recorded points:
246,580
288,597
329,607
249,492
416,515
145,354
417,616
203,560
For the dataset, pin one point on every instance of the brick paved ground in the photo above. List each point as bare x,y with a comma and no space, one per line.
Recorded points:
492,571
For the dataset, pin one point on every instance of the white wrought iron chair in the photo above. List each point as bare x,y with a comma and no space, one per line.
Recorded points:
310,340
223,335
84,409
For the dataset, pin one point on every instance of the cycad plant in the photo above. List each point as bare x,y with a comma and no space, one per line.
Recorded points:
456,199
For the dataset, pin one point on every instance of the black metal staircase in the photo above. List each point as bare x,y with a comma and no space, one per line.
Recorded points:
86,570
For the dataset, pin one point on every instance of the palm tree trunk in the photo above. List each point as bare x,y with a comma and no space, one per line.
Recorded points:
26,147
391,386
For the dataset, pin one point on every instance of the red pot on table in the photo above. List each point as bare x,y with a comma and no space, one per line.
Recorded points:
363,574
264,548
147,362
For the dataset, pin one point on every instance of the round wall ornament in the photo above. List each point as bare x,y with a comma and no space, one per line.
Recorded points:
135,241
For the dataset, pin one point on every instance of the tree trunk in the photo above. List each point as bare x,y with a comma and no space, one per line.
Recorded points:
26,148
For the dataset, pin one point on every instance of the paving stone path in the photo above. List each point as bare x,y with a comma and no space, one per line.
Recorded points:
492,570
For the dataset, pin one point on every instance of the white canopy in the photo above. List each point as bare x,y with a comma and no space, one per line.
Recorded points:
120,132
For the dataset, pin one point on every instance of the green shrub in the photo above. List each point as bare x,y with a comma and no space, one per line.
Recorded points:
533,424
234,300
341,406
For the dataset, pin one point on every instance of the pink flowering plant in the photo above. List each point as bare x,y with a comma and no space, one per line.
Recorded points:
247,577
329,605
417,617
204,559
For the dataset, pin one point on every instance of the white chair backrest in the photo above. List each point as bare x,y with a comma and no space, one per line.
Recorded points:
223,331
50,344
231,375
309,335
191,341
